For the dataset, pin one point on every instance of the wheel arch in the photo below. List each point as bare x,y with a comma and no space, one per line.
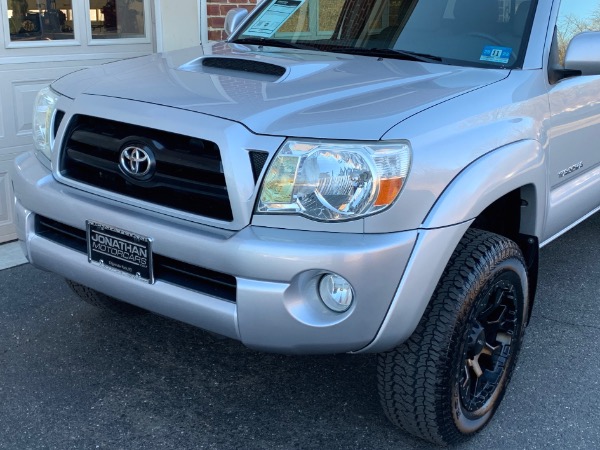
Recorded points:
509,181
512,216
492,181
502,192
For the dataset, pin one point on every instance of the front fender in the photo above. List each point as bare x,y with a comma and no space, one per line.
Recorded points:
475,188
493,175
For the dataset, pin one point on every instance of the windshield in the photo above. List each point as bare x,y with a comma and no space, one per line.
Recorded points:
490,33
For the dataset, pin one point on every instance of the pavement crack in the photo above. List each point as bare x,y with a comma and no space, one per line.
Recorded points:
563,322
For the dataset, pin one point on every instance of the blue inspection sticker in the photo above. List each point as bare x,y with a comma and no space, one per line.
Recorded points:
496,54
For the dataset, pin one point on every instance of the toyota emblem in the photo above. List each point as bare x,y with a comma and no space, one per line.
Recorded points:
137,162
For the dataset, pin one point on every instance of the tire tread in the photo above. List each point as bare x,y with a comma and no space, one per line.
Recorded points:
413,378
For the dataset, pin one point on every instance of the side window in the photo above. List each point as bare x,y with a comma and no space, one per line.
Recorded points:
35,23
117,19
39,20
574,17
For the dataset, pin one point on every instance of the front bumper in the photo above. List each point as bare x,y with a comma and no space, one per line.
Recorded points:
276,305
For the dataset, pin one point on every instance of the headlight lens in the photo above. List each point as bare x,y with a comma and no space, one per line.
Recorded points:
44,111
334,181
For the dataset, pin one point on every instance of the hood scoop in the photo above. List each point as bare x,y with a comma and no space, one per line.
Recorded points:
235,67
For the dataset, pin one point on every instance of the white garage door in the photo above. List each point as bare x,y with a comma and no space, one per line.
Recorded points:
41,40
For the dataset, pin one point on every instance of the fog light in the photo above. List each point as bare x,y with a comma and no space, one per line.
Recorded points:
336,292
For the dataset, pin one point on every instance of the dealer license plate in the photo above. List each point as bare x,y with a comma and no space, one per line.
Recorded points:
120,250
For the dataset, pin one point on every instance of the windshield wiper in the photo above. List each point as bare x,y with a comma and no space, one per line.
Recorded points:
268,42
388,53
377,52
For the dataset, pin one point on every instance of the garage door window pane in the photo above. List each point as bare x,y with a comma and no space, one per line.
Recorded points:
40,20
117,19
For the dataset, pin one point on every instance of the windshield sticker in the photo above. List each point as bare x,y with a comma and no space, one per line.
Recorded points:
496,54
273,17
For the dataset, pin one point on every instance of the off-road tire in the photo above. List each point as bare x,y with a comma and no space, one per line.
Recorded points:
102,301
443,385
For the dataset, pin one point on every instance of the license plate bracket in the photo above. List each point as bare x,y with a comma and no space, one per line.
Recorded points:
120,250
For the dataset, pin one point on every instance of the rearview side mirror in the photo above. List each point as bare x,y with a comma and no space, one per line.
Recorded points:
234,19
583,53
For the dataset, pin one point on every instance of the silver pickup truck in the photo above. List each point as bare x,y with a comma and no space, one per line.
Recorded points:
338,176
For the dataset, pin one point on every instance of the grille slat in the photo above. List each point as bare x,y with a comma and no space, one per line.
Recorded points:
212,190
92,161
196,278
204,164
60,233
189,172
94,139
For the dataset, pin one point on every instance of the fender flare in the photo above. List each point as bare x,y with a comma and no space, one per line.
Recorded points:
487,179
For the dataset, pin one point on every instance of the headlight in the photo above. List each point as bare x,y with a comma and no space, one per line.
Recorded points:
333,181
44,111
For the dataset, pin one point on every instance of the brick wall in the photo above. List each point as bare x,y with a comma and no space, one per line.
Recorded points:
216,11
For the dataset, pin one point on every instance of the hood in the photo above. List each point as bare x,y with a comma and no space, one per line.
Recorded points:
283,92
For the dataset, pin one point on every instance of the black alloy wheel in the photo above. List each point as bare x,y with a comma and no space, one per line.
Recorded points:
488,348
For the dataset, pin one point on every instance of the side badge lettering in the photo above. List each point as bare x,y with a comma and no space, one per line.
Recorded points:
568,170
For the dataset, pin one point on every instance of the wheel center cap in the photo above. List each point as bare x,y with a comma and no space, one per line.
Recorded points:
477,340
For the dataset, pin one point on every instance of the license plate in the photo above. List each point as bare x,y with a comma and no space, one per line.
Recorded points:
120,250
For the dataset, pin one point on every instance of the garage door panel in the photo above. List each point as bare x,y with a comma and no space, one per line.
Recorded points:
18,89
43,40
24,94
